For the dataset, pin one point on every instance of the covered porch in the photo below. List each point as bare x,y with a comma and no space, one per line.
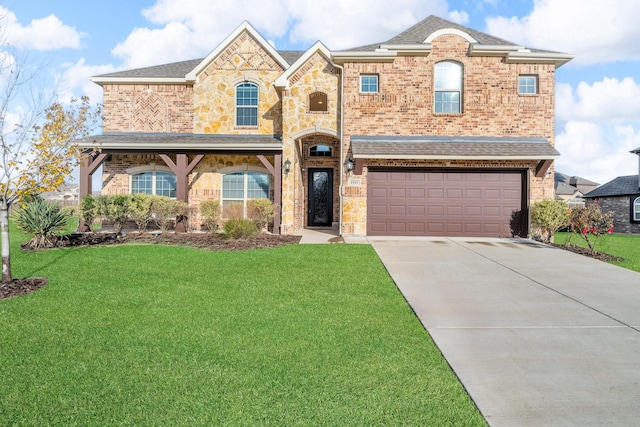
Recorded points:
182,153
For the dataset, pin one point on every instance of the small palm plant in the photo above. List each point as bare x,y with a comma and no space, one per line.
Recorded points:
41,218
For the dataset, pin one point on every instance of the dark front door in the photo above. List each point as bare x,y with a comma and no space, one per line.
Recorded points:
320,197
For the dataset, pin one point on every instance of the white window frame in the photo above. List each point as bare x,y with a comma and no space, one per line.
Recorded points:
154,170
529,82
244,198
247,107
368,85
636,209
446,84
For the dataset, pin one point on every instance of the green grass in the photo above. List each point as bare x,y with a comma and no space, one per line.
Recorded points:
621,245
159,335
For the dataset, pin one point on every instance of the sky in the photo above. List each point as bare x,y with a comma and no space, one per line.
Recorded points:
597,93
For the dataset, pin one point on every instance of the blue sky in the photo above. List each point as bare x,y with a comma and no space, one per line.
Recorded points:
597,93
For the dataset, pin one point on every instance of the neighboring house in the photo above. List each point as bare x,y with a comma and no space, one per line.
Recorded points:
571,189
621,196
441,130
66,195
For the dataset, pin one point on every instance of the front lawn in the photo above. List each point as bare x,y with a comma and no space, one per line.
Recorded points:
621,245
165,335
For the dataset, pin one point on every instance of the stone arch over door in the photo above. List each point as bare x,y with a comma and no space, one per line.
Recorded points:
319,167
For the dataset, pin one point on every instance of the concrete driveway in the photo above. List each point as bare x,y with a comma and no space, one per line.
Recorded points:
537,335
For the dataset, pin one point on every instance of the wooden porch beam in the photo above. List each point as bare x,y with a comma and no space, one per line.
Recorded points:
182,168
267,164
88,166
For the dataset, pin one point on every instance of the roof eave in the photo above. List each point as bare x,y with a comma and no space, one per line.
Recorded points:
414,49
559,59
138,80
450,157
377,56
283,80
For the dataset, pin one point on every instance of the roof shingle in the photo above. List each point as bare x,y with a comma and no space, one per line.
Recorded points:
620,186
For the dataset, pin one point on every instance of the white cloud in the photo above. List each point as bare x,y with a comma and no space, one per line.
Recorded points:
610,100
595,152
189,29
75,78
48,33
594,30
461,18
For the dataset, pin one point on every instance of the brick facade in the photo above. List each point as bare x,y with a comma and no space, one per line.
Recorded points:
403,106
620,207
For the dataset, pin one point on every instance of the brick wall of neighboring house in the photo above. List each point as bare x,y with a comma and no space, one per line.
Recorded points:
404,106
303,129
148,108
215,94
621,208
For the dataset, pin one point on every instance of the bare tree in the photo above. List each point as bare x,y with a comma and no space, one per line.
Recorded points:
37,135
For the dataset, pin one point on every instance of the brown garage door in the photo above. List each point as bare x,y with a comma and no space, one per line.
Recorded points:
430,203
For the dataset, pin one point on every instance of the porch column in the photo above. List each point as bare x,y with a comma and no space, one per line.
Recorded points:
276,171
88,166
182,168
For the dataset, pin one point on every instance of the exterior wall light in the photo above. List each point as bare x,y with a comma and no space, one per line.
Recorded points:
287,167
350,165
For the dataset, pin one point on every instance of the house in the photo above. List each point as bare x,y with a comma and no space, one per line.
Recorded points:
441,130
621,196
67,195
571,189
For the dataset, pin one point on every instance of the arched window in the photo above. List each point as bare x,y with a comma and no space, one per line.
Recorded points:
448,87
154,182
636,209
238,187
320,151
318,102
247,104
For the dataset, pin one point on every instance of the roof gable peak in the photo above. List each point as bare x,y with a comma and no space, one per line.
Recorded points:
244,27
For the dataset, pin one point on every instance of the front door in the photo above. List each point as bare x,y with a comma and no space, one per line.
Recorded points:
320,197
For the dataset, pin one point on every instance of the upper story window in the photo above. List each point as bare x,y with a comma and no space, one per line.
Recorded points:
152,182
448,87
247,104
527,85
318,102
320,151
369,83
636,209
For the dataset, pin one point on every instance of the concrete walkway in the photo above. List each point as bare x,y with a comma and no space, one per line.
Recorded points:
537,335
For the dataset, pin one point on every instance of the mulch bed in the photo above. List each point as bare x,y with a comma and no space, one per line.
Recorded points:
205,241
586,252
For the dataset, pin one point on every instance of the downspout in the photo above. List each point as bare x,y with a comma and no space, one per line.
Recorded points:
341,144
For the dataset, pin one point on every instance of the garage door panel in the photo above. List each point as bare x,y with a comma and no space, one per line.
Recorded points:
443,203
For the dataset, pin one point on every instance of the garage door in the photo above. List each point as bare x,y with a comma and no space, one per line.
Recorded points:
427,203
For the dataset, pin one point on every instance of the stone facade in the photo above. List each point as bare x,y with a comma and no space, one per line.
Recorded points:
620,206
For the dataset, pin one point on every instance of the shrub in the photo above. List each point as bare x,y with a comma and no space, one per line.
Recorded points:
115,208
550,216
590,223
140,210
210,210
233,211
261,212
165,210
88,210
239,228
41,218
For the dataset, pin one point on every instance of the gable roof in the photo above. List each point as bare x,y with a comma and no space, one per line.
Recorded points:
418,39
283,80
186,71
620,186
